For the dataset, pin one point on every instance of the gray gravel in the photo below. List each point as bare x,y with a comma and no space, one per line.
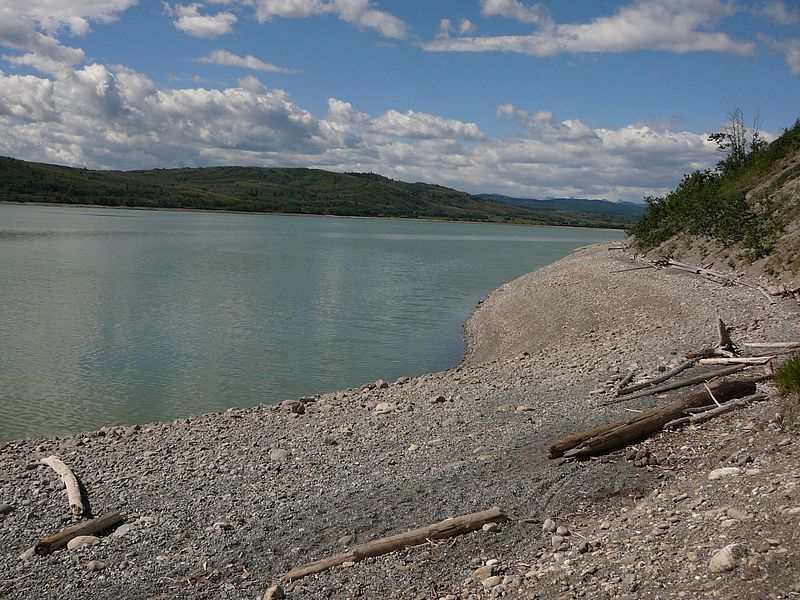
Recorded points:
220,505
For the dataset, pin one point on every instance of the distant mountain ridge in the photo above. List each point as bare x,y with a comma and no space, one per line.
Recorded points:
628,212
272,190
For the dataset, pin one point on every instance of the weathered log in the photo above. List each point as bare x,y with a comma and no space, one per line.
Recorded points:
715,411
620,433
725,344
675,385
772,344
70,483
442,530
738,360
62,538
661,378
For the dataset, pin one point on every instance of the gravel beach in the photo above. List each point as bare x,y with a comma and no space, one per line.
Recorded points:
220,505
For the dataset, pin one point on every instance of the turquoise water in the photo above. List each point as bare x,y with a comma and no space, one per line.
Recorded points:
122,316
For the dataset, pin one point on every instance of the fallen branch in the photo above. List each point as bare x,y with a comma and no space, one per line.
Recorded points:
675,385
62,538
725,345
620,433
70,482
715,411
624,382
772,344
442,530
737,360
671,373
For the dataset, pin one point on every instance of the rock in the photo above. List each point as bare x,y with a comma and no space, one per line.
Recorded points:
94,566
562,530
381,384
5,508
345,539
274,593
739,515
549,526
294,406
28,553
438,399
490,527
482,573
724,472
383,408
278,454
83,541
122,530
727,559
525,408
491,582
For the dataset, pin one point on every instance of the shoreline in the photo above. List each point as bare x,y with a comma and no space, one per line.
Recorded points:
281,214
261,490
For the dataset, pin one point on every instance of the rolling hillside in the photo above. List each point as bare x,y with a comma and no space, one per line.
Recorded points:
253,189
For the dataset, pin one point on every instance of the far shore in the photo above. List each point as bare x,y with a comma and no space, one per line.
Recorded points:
283,214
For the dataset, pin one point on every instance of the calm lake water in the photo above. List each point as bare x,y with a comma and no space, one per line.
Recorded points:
120,316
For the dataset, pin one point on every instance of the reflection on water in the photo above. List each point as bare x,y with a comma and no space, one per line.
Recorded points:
161,314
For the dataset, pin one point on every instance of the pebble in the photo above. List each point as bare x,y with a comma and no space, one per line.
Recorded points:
278,454
549,526
274,593
562,530
94,566
5,508
490,527
383,408
122,530
82,541
724,472
491,582
381,384
438,399
482,573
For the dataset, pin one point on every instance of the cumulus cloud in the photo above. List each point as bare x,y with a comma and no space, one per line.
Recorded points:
100,117
360,13
223,57
189,20
790,48
514,9
678,26
777,12
31,27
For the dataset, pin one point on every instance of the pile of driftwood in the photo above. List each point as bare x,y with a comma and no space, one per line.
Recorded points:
717,394
76,506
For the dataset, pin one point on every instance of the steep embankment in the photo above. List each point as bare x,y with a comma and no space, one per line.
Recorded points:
220,505
744,220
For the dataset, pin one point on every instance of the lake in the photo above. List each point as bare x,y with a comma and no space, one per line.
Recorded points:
123,316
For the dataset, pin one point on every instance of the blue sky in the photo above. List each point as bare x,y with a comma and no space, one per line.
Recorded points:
573,98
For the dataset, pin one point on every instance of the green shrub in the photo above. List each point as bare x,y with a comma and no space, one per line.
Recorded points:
787,377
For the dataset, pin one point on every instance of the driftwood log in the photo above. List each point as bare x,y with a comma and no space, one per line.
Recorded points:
620,433
738,360
675,385
62,538
70,483
442,530
659,379
712,411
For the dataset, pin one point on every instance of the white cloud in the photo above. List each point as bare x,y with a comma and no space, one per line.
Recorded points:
31,27
777,12
360,13
791,50
223,57
514,9
678,26
189,20
425,126
118,118
466,26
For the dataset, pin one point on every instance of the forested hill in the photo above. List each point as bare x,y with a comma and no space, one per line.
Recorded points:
576,208
253,189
